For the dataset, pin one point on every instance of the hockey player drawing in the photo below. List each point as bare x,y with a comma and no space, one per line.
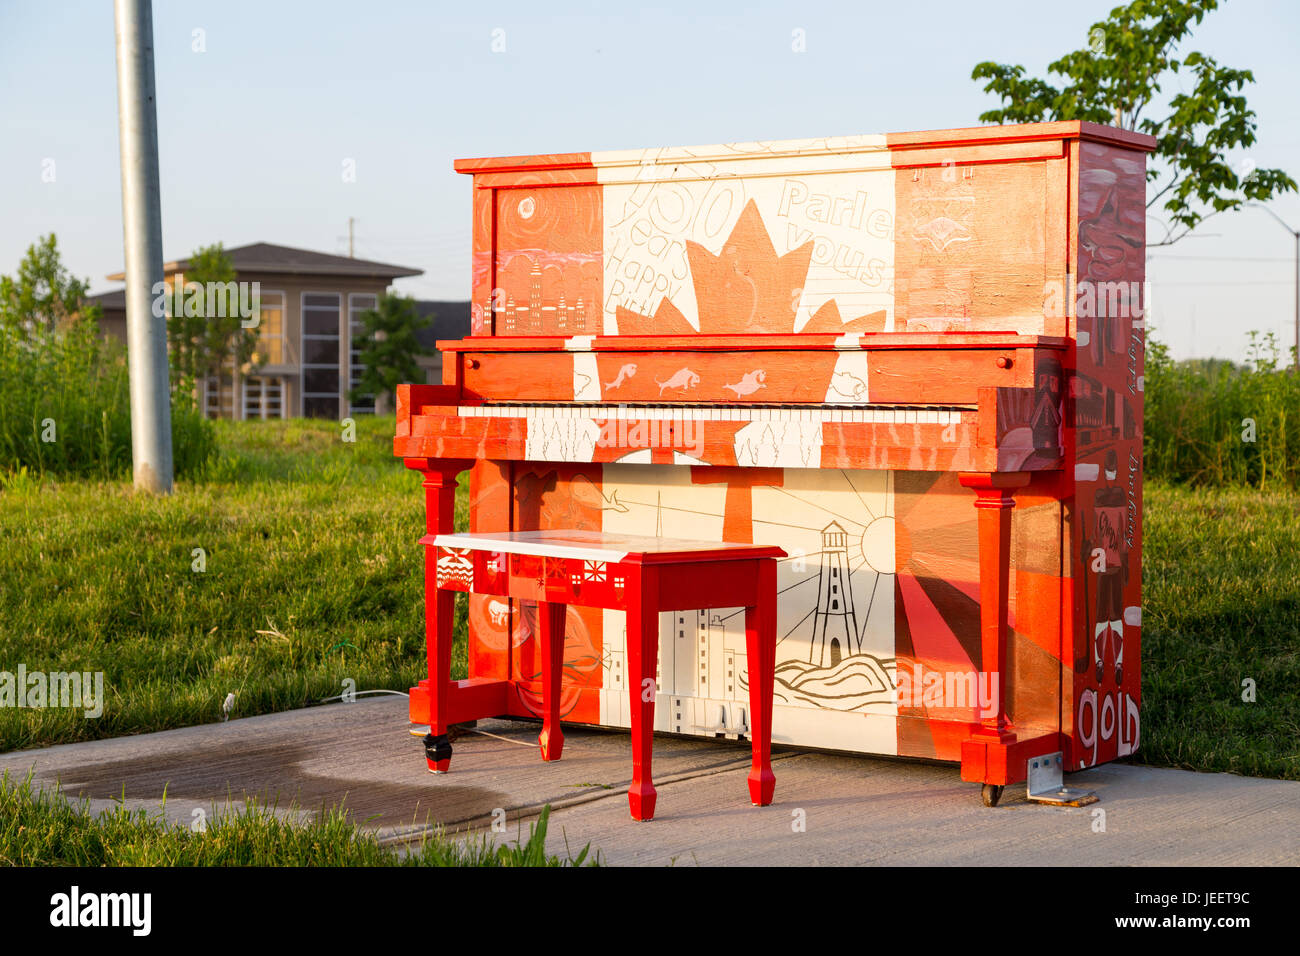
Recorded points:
1106,558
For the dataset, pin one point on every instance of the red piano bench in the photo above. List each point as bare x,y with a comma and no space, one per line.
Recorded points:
641,576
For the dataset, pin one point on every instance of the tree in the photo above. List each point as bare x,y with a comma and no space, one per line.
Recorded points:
1131,57
207,332
43,296
388,347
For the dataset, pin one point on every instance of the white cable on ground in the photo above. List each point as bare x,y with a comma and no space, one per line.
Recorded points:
360,693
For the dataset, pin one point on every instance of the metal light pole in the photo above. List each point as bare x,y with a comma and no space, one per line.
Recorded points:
1295,233
146,332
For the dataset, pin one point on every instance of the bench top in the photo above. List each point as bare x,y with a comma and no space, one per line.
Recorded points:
604,546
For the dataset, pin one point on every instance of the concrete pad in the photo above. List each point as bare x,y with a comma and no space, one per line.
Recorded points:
849,811
830,809
359,755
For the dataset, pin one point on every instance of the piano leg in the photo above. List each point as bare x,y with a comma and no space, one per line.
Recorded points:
550,625
439,611
642,653
992,755
760,647
993,500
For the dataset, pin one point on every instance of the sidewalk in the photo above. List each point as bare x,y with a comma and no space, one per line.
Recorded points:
829,810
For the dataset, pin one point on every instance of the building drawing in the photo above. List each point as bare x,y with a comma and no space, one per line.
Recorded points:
536,318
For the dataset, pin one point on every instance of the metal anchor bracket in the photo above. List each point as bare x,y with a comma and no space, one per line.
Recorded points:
1046,784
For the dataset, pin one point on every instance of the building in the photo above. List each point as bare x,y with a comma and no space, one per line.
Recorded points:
450,320
307,357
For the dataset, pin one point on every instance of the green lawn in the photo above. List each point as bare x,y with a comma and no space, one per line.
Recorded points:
313,576
39,828
1221,604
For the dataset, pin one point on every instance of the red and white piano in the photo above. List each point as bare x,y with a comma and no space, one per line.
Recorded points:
912,361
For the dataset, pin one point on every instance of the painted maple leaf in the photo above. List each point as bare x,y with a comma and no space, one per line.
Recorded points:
746,288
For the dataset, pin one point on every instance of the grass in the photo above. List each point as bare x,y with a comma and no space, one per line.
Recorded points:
313,576
1214,423
65,407
43,828
1221,605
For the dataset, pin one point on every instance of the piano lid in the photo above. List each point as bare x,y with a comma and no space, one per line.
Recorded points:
952,231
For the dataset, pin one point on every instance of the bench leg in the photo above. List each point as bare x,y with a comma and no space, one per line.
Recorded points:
550,625
760,647
642,653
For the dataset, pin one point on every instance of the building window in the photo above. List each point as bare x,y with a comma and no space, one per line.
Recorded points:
321,327
219,395
357,304
263,397
270,330
219,391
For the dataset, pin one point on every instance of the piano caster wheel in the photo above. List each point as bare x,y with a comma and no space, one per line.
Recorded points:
437,752
991,794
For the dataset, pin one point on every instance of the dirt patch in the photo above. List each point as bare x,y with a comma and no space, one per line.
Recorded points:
273,775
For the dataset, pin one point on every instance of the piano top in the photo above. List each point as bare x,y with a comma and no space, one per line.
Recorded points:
749,343
919,140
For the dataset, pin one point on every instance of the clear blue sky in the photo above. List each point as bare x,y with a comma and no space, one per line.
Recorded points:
254,130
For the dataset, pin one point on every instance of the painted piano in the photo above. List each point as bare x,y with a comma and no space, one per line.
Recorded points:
913,361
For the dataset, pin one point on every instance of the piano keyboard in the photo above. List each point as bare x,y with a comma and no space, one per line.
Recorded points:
873,414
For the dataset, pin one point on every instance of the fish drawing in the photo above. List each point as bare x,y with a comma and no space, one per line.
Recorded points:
749,383
682,378
848,385
626,372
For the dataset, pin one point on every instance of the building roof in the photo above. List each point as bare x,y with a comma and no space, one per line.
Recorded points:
116,299
285,260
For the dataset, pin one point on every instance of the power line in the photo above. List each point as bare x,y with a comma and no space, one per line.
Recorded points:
1286,282
1226,258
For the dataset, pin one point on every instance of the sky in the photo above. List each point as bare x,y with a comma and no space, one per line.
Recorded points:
261,105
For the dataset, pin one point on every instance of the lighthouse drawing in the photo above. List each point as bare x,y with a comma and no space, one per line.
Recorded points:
835,625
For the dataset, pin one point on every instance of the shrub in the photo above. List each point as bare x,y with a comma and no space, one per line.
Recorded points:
1216,423
65,406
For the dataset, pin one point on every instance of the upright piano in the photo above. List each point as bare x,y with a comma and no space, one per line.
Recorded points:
914,361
